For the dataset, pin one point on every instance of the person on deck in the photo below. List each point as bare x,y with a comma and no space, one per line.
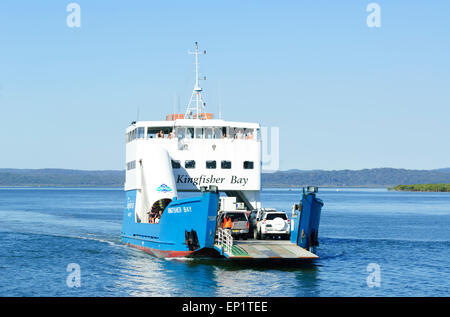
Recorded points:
227,223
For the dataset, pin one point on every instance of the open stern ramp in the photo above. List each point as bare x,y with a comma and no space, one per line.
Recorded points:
255,249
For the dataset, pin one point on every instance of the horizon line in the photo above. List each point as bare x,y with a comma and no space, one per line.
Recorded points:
267,172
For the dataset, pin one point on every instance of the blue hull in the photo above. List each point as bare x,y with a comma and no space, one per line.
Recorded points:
186,227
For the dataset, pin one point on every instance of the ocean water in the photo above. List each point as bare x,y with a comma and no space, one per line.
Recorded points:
403,239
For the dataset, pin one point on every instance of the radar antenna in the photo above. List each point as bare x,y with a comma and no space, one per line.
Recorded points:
196,106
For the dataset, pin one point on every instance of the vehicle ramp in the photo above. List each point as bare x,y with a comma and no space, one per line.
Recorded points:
260,249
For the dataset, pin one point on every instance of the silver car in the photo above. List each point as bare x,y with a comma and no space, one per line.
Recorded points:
240,225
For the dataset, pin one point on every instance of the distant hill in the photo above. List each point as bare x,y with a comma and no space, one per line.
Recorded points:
61,177
443,169
376,177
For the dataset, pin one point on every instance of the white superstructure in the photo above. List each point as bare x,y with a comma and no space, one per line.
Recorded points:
202,151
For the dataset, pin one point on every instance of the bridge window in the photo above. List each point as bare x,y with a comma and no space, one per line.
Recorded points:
249,134
181,132
232,133
190,133
202,133
225,164
140,133
131,135
209,133
243,134
237,133
189,164
176,164
158,132
211,164
248,165
199,133
219,132
214,133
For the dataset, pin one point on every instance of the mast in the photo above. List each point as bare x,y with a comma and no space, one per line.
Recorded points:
196,106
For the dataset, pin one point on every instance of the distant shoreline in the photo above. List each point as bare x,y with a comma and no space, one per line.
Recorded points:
365,178
436,188
59,186
119,187
399,188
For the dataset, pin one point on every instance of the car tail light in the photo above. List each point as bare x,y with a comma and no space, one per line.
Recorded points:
248,225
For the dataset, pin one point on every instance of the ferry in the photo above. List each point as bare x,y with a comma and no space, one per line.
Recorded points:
218,163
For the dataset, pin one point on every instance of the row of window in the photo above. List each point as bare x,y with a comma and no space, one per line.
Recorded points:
248,165
193,133
138,133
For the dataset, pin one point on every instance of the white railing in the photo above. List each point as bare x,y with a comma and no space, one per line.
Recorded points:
225,240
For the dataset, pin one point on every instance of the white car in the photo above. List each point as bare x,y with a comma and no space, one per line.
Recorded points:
272,224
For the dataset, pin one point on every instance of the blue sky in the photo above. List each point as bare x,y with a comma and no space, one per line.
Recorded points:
345,96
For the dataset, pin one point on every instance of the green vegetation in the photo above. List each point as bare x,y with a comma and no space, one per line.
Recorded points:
423,188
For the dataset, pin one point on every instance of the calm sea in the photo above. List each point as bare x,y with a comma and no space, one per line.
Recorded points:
402,239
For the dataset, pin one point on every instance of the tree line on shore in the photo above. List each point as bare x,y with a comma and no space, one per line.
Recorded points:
422,188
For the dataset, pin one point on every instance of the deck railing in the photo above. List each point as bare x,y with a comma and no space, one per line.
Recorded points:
225,240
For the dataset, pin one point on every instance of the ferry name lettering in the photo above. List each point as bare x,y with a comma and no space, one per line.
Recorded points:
203,179
239,180
174,210
184,179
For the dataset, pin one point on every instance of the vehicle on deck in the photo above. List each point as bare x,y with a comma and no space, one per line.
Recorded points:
272,224
256,214
239,223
